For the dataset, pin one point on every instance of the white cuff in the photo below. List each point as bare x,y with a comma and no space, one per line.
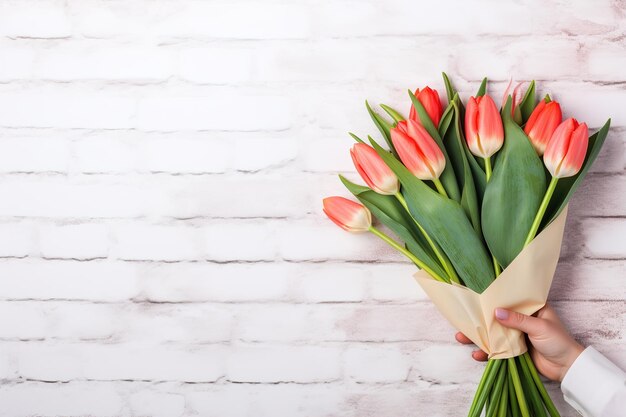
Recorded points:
595,386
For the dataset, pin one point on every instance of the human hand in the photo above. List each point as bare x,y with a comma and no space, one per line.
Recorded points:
551,347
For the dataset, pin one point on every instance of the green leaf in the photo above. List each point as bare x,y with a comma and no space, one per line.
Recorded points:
528,103
450,91
383,126
390,212
482,89
395,115
355,137
446,120
513,193
566,186
454,142
446,223
447,178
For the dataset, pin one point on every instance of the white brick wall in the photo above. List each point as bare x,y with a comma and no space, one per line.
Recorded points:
162,247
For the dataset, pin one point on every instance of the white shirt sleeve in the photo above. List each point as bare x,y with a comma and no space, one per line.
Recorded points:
595,386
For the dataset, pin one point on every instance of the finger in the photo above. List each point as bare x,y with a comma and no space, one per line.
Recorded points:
533,326
461,338
479,355
548,313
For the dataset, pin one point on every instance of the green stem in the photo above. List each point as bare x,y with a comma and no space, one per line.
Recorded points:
406,253
484,387
542,210
440,188
504,400
519,392
531,389
487,168
542,389
513,399
442,259
496,393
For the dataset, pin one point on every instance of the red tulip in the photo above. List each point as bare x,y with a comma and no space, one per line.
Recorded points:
347,214
430,100
418,151
566,149
373,170
542,123
516,99
483,126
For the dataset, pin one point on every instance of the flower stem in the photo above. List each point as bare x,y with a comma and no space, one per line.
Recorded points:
542,389
487,167
440,188
443,260
519,391
406,253
542,210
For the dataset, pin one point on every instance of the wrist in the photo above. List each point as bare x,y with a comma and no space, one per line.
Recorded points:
573,354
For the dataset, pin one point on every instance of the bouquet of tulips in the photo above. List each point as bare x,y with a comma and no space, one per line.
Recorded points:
476,197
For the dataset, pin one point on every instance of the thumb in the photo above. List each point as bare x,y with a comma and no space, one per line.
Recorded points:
530,325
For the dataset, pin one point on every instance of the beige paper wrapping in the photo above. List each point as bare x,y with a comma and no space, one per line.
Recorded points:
523,286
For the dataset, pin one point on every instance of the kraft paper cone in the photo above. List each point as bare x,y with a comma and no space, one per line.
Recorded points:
523,286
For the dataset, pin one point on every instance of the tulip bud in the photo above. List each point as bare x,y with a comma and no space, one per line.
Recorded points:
516,99
429,98
418,150
542,123
567,149
376,174
347,214
483,126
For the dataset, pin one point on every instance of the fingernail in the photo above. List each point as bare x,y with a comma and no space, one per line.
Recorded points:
502,314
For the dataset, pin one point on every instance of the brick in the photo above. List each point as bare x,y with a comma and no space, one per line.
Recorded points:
46,320
28,19
187,156
195,282
18,63
243,240
457,368
17,239
136,241
106,152
160,323
220,111
289,363
585,279
599,195
255,154
330,154
241,196
297,323
157,404
34,154
263,400
604,238
55,362
605,60
322,240
384,363
394,283
332,283
214,20
75,399
216,65
75,241
68,280
56,197
93,61
69,110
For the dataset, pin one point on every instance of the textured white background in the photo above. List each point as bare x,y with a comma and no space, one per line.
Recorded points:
162,246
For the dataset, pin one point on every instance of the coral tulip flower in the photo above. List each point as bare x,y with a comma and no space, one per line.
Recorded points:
347,214
429,98
483,127
567,149
542,123
417,150
376,174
